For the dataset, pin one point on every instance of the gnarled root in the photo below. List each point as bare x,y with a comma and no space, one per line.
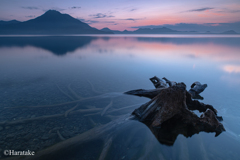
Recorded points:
167,115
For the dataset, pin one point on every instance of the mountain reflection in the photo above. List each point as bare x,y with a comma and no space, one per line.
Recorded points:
214,48
58,45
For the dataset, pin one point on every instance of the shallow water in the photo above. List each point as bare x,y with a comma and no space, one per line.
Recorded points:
44,70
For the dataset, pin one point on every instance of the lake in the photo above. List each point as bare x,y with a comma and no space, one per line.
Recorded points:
39,74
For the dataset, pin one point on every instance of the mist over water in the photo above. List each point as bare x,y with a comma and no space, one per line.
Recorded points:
43,70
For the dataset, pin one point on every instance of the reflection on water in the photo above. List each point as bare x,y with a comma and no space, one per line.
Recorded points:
32,75
56,44
232,68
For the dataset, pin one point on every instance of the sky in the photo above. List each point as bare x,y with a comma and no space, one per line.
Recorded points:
129,14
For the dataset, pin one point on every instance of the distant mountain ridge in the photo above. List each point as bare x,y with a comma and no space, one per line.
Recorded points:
162,30
143,31
51,22
54,22
230,32
9,22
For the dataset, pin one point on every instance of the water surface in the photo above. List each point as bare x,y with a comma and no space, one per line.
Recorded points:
43,70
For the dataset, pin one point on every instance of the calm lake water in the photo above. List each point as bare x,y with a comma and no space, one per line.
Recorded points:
51,70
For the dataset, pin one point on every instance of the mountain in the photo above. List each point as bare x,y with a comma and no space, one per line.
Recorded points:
51,22
230,32
8,22
111,31
106,29
155,30
162,30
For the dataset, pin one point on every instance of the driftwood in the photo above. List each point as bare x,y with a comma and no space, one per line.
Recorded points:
167,115
196,89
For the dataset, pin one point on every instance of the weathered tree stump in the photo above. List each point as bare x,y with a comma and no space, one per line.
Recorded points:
168,113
